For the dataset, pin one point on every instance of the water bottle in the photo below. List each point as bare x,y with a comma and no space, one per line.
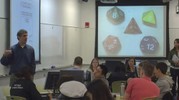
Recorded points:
122,89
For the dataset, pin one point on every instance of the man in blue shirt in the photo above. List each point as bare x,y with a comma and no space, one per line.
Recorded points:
20,54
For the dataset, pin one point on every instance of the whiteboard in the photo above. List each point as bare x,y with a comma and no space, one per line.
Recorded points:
51,40
27,14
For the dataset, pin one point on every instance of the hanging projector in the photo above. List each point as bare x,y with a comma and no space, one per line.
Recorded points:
108,1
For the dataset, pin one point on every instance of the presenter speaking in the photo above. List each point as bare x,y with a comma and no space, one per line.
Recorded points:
19,55
173,58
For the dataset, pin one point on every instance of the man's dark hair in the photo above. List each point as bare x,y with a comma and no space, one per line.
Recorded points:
20,32
162,67
104,69
147,67
24,72
99,90
177,40
78,61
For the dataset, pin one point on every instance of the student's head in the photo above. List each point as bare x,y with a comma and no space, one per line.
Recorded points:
22,36
131,61
176,43
160,69
101,71
98,90
24,72
78,61
146,69
94,64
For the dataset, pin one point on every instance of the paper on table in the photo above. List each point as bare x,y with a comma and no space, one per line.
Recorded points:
175,58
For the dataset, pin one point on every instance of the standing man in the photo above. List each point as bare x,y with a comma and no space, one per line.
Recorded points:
20,54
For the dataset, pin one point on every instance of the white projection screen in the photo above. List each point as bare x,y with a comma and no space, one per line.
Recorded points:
139,31
25,14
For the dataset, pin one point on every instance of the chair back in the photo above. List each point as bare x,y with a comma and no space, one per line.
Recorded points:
116,86
63,97
168,96
151,98
15,98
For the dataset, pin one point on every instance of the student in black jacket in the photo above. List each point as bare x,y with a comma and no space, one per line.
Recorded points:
24,85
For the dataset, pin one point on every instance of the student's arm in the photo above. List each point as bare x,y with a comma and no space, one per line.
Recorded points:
171,53
33,61
128,89
126,96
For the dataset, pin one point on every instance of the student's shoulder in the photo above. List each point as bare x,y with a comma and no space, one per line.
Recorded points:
134,80
161,82
14,46
29,46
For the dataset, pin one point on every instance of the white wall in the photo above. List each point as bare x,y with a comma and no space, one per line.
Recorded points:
64,14
173,17
173,23
88,34
4,18
3,35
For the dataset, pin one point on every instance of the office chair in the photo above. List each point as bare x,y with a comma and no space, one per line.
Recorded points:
15,98
168,96
63,97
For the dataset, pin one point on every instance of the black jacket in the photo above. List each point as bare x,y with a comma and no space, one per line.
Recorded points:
25,88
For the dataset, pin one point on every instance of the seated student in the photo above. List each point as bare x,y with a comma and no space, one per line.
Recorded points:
164,82
93,66
143,87
100,73
131,69
24,86
77,64
98,90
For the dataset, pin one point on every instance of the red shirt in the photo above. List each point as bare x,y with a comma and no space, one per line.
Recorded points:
140,88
